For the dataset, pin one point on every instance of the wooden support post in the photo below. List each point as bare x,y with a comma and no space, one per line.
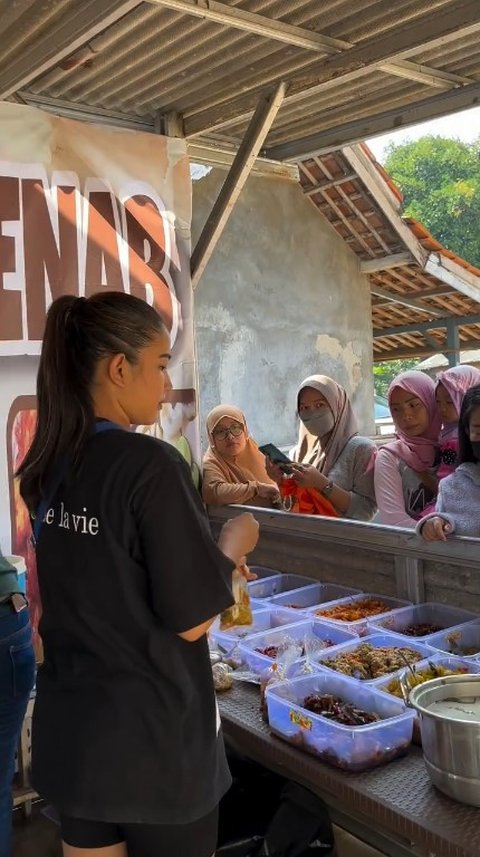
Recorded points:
245,158
453,343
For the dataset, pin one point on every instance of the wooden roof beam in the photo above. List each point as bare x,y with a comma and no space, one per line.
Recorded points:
231,189
404,300
378,188
453,274
333,182
425,326
322,142
407,353
346,61
384,263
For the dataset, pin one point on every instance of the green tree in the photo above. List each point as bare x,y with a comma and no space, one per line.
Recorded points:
440,181
384,373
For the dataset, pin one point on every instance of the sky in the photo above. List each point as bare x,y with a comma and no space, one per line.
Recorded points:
463,126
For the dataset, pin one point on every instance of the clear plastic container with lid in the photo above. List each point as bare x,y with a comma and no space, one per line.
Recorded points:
263,572
435,666
317,593
350,653
270,586
420,621
349,612
307,634
461,641
351,748
264,619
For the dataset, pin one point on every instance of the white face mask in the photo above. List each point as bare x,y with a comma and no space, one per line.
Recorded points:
318,423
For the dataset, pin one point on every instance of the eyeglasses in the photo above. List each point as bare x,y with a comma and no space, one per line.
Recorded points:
222,434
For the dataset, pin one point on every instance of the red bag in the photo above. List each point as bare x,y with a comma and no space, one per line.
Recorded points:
305,501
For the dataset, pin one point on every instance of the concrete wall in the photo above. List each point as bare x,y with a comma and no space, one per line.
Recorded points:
281,298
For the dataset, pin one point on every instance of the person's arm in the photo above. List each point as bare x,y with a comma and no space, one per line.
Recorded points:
307,476
438,525
190,577
217,492
362,503
389,492
353,468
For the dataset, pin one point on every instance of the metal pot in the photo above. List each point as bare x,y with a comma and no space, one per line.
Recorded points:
451,743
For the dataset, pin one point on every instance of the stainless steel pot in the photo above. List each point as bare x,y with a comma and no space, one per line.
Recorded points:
451,743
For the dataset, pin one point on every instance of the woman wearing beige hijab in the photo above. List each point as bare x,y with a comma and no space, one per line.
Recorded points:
233,467
330,455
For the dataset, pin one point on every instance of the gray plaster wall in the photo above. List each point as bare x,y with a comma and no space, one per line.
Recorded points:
281,298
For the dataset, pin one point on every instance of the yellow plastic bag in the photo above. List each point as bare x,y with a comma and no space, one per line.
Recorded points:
241,612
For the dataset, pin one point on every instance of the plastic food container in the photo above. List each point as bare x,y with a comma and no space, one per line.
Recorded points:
358,626
263,620
375,640
429,614
461,641
309,630
460,666
262,571
318,593
351,748
270,586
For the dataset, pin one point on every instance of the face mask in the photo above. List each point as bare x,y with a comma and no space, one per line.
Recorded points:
319,424
476,448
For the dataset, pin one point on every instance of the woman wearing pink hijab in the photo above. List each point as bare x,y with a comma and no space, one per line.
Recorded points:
450,390
406,470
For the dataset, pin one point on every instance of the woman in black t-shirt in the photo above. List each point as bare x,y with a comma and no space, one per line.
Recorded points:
126,735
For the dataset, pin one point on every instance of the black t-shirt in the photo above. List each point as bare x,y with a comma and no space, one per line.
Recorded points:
126,726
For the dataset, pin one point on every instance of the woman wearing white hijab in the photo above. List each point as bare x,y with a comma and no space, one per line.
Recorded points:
330,455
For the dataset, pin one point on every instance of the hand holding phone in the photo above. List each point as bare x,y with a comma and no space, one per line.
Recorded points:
276,456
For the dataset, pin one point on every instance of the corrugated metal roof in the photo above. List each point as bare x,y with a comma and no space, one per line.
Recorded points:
352,68
147,59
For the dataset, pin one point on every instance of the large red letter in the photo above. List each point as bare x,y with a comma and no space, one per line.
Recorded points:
10,301
42,255
146,241
102,245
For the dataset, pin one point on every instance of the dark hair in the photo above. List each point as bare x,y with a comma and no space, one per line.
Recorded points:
78,333
471,401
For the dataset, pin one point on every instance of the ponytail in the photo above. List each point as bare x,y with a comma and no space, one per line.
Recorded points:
78,333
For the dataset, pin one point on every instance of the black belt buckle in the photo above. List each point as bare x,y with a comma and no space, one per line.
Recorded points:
19,602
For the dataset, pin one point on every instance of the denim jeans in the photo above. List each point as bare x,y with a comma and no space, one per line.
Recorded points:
17,674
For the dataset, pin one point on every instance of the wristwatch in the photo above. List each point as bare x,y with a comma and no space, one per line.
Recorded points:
328,489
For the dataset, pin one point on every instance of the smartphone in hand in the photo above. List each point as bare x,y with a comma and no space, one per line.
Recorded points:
276,456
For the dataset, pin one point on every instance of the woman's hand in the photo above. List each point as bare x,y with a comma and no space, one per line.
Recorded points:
267,491
436,530
238,537
307,476
245,571
274,471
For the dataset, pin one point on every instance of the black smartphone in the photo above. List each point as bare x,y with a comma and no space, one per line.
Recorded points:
276,456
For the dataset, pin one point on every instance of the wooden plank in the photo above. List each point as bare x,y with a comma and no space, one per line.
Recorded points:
404,300
420,327
451,273
357,130
382,194
384,263
241,168
333,182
